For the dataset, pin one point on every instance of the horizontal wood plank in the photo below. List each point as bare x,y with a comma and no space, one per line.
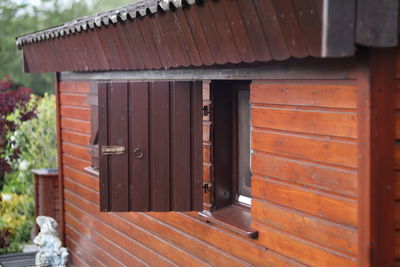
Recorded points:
194,246
191,244
300,93
78,163
206,153
342,124
76,150
307,227
94,249
305,173
76,125
328,207
303,147
301,250
74,186
74,100
74,87
137,232
72,112
206,131
131,245
237,246
81,255
98,239
75,138
82,177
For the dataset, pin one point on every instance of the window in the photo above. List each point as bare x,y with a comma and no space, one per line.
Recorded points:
231,156
243,141
231,142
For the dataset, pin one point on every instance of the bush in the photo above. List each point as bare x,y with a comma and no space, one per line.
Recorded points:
37,143
16,221
15,107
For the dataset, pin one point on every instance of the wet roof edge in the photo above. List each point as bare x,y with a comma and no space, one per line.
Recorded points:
131,11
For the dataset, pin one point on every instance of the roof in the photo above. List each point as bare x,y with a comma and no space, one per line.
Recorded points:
165,34
197,33
131,11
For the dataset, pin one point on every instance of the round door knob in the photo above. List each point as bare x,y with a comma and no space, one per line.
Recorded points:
138,153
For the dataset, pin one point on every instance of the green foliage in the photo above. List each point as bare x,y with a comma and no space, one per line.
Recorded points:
19,19
16,219
104,5
37,141
38,146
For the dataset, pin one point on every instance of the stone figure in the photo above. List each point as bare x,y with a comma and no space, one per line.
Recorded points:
50,251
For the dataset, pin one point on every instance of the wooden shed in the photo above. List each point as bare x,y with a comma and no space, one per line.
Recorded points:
228,132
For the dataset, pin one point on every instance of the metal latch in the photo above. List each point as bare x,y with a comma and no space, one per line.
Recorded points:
207,187
112,150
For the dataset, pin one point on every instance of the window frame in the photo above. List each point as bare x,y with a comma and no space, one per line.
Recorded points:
226,211
226,141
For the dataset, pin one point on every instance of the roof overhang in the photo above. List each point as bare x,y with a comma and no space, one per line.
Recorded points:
164,34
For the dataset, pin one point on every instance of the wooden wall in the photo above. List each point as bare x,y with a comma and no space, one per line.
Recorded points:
304,186
304,182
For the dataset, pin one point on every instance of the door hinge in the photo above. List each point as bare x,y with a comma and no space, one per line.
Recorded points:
207,187
206,110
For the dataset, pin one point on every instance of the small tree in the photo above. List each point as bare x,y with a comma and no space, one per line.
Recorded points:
14,105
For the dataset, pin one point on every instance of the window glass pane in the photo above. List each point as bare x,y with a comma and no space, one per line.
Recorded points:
244,142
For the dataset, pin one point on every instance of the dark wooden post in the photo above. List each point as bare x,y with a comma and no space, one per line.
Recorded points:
376,163
46,185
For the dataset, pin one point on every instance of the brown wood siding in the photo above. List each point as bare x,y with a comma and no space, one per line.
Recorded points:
304,188
139,239
304,165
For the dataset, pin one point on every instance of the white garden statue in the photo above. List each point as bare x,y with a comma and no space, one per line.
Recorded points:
50,251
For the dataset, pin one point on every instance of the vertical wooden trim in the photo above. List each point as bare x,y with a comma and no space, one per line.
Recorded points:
376,135
197,145
59,149
103,140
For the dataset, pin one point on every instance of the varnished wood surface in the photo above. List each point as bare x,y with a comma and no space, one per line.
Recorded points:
134,238
304,197
304,184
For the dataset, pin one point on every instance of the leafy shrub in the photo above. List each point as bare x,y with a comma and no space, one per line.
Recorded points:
37,144
15,107
16,221
36,140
